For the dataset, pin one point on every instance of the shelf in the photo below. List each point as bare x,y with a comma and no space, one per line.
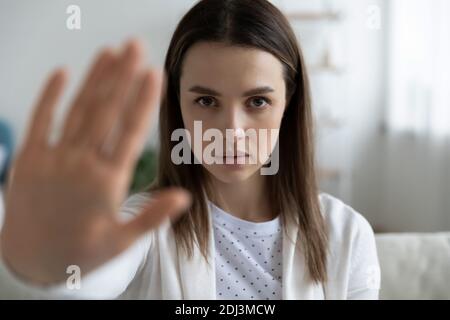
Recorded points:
324,68
314,16
326,64
329,174
329,122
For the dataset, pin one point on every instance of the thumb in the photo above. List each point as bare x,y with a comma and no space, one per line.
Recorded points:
164,204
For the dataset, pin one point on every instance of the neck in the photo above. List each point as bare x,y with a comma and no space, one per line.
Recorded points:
247,200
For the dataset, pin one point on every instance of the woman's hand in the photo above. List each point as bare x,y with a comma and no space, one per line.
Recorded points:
62,200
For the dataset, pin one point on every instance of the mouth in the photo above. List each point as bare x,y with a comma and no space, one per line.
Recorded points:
235,160
237,153
236,157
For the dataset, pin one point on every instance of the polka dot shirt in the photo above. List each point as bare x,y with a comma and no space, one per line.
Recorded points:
248,257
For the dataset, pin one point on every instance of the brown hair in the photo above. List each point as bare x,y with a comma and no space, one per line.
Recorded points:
293,190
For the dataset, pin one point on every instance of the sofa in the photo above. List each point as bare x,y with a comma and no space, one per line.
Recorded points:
414,265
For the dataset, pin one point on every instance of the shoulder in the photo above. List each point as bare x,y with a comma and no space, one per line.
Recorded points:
351,237
343,222
353,252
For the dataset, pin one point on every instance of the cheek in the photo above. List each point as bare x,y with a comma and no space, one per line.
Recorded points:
268,128
270,119
263,146
278,113
196,121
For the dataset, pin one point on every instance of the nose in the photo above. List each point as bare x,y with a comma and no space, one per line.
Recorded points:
234,125
235,119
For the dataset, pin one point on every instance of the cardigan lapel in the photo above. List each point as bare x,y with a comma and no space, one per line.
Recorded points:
295,280
198,278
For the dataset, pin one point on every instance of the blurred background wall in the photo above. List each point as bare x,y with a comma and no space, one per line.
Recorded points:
379,77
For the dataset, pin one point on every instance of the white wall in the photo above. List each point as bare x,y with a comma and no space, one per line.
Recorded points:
356,96
34,40
366,89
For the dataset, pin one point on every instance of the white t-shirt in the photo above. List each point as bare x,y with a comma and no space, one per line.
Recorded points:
248,257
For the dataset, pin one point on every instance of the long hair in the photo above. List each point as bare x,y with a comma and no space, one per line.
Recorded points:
293,190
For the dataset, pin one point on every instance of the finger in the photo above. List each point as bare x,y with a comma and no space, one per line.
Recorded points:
104,114
136,120
168,203
41,120
103,63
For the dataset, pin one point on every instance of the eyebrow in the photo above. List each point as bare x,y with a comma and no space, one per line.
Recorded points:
251,92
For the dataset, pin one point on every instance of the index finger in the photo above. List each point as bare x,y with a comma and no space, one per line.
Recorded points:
42,116
136,119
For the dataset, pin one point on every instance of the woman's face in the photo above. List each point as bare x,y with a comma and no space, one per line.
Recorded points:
228,87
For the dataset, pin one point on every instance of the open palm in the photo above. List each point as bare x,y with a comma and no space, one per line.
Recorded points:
62,199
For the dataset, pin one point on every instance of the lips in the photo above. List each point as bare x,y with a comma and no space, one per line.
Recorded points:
235,157
235,154
235,160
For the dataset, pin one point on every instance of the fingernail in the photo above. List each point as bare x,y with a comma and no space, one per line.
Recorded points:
59,73
131,46
127,50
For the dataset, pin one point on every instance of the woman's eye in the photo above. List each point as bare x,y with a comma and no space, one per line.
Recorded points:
259,102
206,101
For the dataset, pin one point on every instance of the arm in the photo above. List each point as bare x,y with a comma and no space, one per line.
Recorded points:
63,199
106,282
364,279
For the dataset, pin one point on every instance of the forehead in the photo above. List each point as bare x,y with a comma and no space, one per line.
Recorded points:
230,67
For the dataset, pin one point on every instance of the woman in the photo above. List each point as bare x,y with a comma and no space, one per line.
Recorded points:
231,65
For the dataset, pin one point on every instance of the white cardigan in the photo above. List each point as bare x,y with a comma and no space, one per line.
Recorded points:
151,268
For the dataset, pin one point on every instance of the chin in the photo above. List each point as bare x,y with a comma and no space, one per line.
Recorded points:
232,174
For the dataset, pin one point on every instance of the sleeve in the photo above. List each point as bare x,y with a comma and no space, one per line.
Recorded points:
106,282
364,277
